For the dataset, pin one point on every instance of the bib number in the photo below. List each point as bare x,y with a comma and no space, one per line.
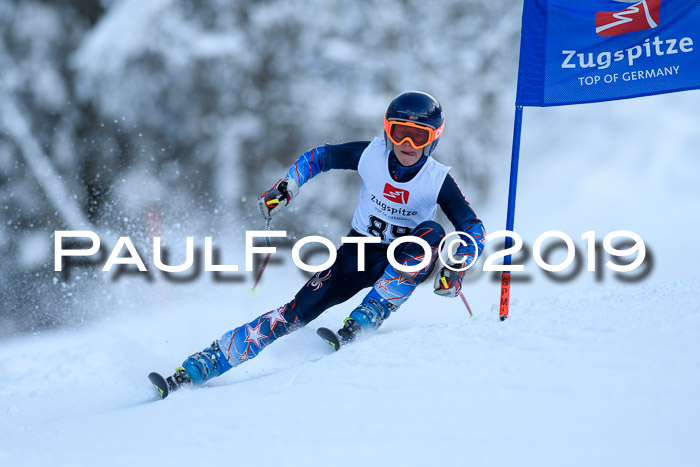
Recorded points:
378,227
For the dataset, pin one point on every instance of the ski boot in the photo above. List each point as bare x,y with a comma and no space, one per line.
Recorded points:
350,330
179,378
370,314
204,365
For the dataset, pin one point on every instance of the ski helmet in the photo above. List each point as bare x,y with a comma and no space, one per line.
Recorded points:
416,117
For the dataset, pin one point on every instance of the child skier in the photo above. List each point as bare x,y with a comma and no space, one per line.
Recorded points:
402,185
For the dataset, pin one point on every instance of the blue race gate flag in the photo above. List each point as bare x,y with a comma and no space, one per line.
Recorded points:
578,51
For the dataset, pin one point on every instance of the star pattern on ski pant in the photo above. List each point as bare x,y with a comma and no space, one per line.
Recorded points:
242,357
275,316
253,335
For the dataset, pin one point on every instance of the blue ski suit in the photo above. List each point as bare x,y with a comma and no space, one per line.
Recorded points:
342,280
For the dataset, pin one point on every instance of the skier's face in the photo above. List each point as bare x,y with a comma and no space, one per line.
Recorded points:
406,154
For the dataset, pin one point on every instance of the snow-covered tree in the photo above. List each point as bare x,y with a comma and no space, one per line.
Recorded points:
196,107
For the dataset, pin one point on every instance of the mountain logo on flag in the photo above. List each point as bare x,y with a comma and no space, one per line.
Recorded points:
642,15
396,195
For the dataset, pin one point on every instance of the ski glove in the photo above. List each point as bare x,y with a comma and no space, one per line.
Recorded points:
448,283
279,196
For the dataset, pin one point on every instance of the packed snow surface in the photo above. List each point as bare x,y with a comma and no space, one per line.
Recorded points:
599,377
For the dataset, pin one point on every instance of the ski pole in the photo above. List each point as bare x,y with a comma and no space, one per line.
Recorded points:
464,299
252,290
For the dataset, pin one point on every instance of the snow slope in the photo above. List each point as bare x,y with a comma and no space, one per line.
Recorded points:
601,377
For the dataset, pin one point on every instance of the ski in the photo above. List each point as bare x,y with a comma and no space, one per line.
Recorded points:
160,384
330,337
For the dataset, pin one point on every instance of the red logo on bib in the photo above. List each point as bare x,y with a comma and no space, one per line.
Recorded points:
396,195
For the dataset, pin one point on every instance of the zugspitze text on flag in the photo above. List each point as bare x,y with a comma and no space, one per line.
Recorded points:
573,52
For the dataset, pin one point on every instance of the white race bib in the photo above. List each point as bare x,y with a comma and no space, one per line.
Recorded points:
389,209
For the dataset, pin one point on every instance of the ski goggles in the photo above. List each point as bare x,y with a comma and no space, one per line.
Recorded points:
418,136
